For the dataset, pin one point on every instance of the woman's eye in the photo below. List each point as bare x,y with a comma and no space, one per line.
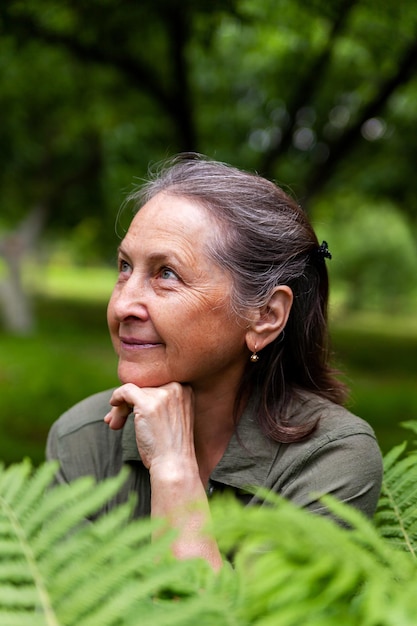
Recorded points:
166,273
123,266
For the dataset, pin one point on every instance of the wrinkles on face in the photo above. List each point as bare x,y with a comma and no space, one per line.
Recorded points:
172,298
179,248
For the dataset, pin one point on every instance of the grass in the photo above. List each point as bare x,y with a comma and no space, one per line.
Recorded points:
70,357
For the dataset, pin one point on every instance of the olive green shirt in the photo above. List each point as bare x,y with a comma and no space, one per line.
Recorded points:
341,457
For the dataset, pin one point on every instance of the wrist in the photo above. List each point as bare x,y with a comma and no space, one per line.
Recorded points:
173,470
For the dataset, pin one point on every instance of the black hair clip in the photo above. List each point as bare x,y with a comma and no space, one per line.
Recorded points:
323,251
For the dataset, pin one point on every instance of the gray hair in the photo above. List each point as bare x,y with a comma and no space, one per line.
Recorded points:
264,233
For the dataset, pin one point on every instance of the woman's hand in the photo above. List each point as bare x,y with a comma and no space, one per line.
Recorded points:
164,426
164,421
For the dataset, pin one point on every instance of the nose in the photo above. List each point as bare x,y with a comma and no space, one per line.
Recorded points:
128,300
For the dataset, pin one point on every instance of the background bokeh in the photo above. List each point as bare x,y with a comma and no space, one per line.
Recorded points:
320,96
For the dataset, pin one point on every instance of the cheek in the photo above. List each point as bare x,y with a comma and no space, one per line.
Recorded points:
210,328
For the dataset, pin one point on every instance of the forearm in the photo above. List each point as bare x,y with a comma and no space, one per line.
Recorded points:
179,497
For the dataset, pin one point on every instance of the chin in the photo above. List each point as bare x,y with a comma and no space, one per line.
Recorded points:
141,379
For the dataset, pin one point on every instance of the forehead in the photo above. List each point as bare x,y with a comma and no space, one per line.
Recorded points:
172,220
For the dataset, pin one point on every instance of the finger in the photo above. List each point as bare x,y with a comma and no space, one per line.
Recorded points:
122,400
124,394
117,416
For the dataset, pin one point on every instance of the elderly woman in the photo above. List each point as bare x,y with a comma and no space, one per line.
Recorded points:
218,318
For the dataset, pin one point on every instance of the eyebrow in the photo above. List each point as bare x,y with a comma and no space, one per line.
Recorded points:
153,257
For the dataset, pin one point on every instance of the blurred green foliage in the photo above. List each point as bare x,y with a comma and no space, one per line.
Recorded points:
374,264
317,95
69,357
378,355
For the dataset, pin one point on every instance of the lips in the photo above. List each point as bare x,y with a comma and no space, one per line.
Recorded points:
135,343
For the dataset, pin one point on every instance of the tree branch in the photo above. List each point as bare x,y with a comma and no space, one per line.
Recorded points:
340,148
307,86
175,99
178,29
142,75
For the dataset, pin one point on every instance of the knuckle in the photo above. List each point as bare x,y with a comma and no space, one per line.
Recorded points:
129,387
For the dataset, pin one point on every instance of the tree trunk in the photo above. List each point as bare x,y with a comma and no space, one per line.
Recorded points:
15,247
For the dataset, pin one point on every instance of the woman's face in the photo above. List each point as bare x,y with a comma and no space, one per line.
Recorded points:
169,315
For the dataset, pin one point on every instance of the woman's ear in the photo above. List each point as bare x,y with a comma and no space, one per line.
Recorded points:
269,321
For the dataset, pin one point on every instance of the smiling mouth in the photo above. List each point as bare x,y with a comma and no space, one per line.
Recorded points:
128,343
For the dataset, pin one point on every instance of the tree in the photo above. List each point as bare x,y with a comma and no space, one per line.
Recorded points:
316,95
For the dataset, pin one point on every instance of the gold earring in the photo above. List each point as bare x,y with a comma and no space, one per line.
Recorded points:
254,358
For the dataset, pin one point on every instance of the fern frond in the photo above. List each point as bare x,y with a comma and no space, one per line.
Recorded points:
290,567
38,593
62,570
84,499
298,568
396,516
30,530
20,618
411,425
14,479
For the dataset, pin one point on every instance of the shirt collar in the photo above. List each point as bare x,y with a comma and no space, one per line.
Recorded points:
249,455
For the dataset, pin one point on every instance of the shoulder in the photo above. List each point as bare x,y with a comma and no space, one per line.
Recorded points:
87,412
341,443
341,458
83,443
333,421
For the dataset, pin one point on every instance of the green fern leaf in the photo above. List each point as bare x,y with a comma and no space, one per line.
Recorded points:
298,568
396,516
30,530
62,570
14,479
411,425
290,567
20,618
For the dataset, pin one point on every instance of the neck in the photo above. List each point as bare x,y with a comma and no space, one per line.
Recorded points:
213,417
213,427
